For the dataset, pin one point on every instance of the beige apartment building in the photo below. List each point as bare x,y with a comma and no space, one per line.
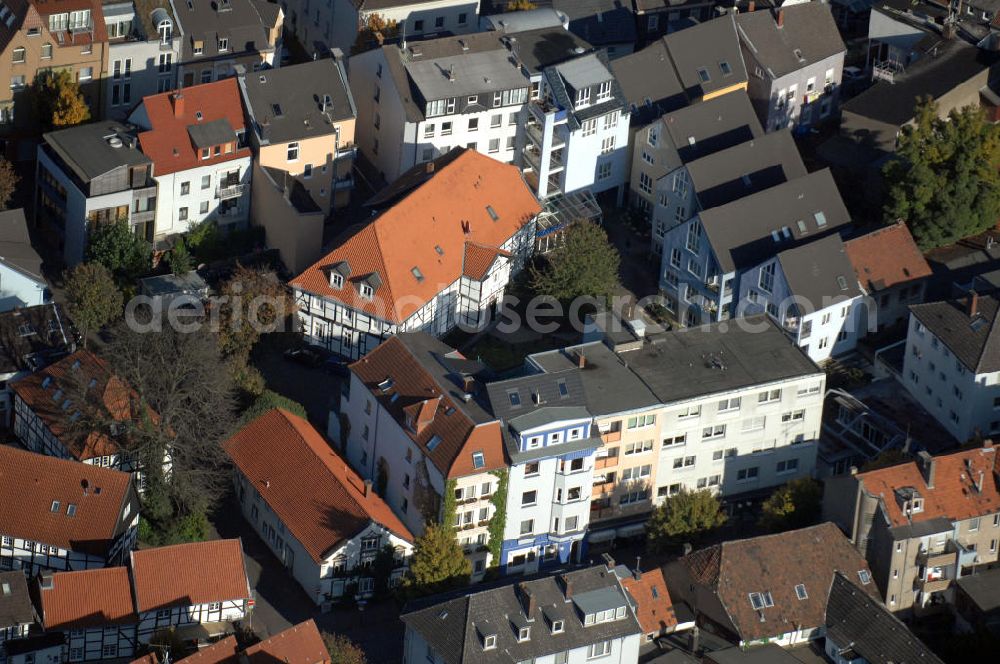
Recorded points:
303,120
922,524
51,35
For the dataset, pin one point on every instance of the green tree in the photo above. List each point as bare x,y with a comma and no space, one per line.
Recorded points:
179,259
269,400
585,264
117,248
944,182
890,457
58,100
520,5
376,30
342,650
92,297
684,517
794,505
438,563
8,182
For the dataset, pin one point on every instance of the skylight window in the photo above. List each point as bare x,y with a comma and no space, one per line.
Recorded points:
417,274
439,250
198,116
802,226
800,591
478,460
433,442
55,506
276,109
768,601
704,75
489,642
865,576
842,282
756,601
726,69
523,634
515,399
493,213
820,219
71,510
386,385
563,389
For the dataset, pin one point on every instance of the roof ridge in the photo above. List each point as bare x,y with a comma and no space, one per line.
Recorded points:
992,340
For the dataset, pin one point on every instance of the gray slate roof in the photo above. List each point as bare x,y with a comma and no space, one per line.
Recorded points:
243,22
975,340
609,386
700,361
440,361
584,71
856,619
716,124
455,627
538,49
808,28
299,92
15,605
746,168
601,22
766,654
215,132
741,232
983,588
15,245
86,151
707,46
819,270
649,82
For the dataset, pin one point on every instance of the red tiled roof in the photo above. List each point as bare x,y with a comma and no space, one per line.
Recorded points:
226,650
189,574
150,658
88,598
50,394
426,231
776,564
31,483
953,497
299,644
886,257
479,260
654,609
307,484
168,143
459,436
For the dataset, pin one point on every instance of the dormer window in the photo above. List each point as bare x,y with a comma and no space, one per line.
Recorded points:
478,460
583,97
165,30
523,634
336,280
489,642
223,44
366,291
558,626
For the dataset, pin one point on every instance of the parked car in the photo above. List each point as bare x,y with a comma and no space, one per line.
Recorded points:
337,366
304,356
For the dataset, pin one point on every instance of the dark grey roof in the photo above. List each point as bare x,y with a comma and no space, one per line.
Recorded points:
934,526
33,337
719,123
538,49
299,197
535,392
857,620
528,19
609,386
455,627
649,82
588,70
974,339
809,35
465,73
88,151
15,245
818,270
15,605
584,71
207,134
700,361
287,104
703,51
243,22
936,73
765,654
741,232
601,22
983,588
435,356
675,656
746,168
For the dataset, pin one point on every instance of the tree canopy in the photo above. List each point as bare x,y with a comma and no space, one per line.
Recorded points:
8,182
179,259
58,100
92,297
342,650
377,28
585,264
944,182
115,246
684,517
792,506
438,563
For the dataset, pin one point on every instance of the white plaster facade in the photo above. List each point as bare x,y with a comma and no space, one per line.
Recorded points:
220,192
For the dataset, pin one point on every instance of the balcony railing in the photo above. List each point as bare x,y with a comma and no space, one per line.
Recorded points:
346,182
933,585
230,191
346,150
611,436
142,217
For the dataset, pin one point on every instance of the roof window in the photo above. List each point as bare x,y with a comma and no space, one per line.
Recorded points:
489,642
515,398
842,282
417,274
276,109
55,506
386,384
523,634
704,75
478,460
493,213
800,591
71,510
820,219
865,576
725,68
433,442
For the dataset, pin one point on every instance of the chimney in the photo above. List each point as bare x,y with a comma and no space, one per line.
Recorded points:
979,482
987,444
693,640
751,6
430,167
177,100
973,303
468,384
85,484
567,587
927,467
368,487
637,574
527,600
781,18
581,359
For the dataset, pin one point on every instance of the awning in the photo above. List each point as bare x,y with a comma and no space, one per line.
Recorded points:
632,530
600,536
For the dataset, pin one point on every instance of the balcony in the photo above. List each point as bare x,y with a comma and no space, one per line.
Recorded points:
142,217
346,151
933,585
230,191
346,182
540,108
533,158
601,463
611,436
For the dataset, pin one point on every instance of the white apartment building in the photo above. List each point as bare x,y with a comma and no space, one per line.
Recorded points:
312,22
408,422
198,144
323,522
951,366
570,618
431,261
143,48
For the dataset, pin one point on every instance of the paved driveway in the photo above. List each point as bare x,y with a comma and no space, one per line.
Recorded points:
316,389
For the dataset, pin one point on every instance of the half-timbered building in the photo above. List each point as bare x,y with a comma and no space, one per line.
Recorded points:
322,521
16,612
441,254
61,515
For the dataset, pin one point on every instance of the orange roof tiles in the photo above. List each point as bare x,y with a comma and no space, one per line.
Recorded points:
953,497
150,658
299,644
226,650
427,230
479,260
167,142
37,490
88,598
654,609
307,484
189,574
459,437
51,392
886,257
